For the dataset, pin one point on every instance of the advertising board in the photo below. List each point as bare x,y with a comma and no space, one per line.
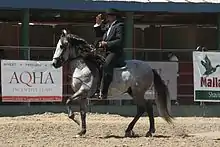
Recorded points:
206,68
30,81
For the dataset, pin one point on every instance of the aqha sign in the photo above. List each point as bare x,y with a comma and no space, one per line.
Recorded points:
30,81
206,66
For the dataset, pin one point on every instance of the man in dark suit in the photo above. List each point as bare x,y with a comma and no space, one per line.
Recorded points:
112,41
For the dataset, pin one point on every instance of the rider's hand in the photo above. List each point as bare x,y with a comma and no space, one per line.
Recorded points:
99,19
103,44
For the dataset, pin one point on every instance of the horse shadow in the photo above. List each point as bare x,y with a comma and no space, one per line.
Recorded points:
134,136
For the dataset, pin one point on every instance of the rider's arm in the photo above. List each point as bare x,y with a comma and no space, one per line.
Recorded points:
118,42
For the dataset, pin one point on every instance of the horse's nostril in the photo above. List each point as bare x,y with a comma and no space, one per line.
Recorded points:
54,65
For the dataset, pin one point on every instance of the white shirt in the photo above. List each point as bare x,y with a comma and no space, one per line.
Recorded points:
109,29
96,25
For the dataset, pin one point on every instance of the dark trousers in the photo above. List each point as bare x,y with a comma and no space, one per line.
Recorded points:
108,68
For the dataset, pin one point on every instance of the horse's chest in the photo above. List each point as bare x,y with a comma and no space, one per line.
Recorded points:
81,76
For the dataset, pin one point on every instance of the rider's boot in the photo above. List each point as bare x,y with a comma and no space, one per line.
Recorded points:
106,81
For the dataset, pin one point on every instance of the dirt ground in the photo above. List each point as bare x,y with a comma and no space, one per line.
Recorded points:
56,130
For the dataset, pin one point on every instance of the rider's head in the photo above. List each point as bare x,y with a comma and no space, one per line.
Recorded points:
111,15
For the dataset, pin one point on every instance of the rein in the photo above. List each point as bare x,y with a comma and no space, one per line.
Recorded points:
80,81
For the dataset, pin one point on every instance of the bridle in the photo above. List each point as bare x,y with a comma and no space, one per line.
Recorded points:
85,50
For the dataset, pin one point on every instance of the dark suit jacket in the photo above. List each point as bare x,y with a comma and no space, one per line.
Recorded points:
115,39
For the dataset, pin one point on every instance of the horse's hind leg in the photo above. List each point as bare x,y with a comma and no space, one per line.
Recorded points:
149,108
140,112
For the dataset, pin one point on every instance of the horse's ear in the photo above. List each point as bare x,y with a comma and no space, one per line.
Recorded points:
198,48
64,32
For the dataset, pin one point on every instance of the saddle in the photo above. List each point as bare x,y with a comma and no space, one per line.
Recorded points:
92,52
97,57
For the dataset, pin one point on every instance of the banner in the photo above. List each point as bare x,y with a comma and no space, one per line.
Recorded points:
168,72
206,66
30,81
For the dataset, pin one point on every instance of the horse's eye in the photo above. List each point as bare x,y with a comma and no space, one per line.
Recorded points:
62,46
65,41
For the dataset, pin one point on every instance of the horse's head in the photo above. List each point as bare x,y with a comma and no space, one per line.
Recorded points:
61,53
65,50
69,46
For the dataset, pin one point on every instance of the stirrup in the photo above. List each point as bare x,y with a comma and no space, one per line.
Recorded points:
102,96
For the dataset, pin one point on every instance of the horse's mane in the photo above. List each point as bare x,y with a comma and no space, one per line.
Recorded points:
86,50
95,58
79,42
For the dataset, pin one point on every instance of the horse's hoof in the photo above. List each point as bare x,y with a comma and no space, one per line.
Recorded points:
153,131
72,117
77,136
129,134
149,134
81,133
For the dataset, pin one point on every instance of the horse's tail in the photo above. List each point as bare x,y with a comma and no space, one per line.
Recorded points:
162,98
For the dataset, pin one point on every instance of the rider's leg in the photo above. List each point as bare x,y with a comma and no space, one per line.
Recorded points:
108,68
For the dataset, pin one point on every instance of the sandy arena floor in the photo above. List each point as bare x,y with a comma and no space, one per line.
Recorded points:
56,130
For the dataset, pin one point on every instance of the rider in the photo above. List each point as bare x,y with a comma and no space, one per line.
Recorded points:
112,41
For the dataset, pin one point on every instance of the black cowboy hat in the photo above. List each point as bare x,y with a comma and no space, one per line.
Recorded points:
112,11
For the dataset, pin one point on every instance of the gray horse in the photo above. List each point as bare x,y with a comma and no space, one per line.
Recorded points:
134,77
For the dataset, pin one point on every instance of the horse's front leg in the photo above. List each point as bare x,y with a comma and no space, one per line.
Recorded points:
71,114
83,107
75,97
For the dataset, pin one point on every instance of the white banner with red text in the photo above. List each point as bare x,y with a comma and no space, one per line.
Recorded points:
30,81
169,73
